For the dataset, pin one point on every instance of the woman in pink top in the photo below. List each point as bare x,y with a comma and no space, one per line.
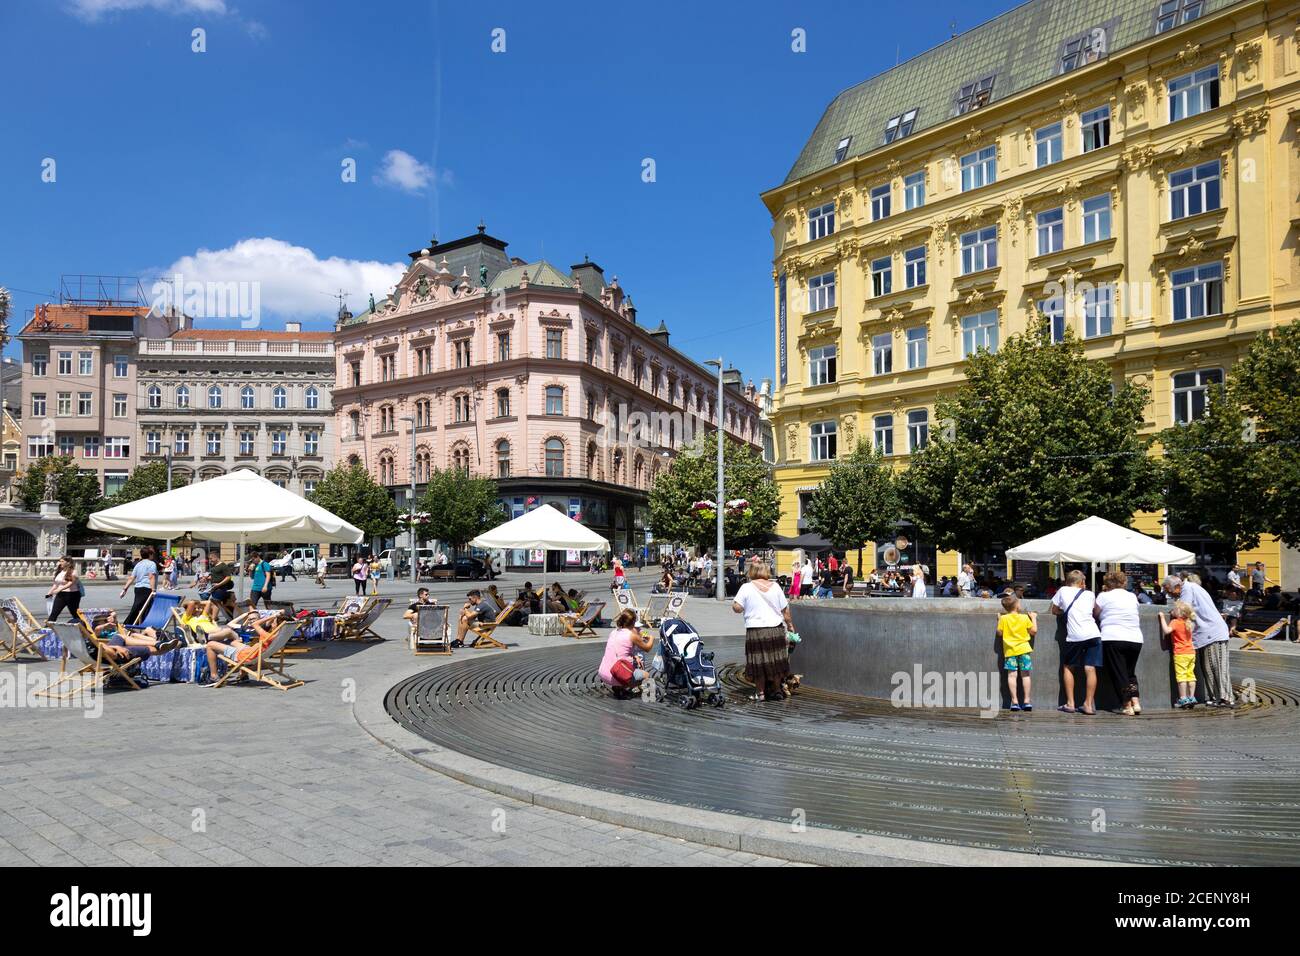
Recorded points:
622,639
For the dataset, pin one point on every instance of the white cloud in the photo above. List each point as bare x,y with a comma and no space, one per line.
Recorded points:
293,280
93,11
403,171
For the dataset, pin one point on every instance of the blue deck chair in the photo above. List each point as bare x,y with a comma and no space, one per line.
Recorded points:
158,612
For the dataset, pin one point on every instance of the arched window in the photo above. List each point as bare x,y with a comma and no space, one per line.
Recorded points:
312,397
460,406
246,397
503,459
386,470
422,466
503,403
638,471
155,396
460,459
616,472
280,397
554,458
182,396
214,396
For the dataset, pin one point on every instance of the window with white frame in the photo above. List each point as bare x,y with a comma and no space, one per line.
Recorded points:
121,366
153,395
979,332
67,444
85,363
979,250
152,443
1192,393
311,442
883,433
821,365
1051,230
119,405
214,443
280,397
974,95
38,404
914,190
1194,190
214,396
90,446
821,221
181,443
462,353
555,343
880,202
64,403
460,408
882,276
1172,13
882,353
821,292
503,403
822,441
85,403
247,442
914,267
842,148
1053,309
1193,93
279,442
246,397
1096,218
1095,125
312,396
1047,145
1198,291
916,347
979,168
1083,49
182,396
554,400
40,366
896,127
1098,310
117,446
38,446
65,363
503,346
918,429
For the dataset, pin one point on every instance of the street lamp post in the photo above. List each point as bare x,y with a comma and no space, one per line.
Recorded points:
168,551
415,562
720,590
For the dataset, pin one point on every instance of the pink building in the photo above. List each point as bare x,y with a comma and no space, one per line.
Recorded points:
540,379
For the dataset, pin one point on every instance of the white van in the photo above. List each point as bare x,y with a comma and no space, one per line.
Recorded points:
302,560
427,555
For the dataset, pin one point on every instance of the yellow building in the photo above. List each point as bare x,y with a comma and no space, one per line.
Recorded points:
1129,167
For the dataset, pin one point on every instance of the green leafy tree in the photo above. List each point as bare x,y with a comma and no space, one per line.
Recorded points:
77,492
693,477
1032,441
858,501
1265,385
351,493
144,482
460,507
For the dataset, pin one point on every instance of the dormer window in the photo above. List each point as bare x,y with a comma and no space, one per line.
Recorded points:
842,149
899,126
974,95
1084,49
1172,13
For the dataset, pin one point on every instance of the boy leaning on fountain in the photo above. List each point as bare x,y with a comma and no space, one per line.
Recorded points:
1016,628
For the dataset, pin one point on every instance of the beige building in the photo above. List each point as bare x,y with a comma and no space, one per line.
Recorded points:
1128,167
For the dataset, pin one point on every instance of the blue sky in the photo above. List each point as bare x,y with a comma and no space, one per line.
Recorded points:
166,157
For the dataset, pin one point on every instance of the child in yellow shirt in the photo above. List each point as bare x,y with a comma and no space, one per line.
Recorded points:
1016,628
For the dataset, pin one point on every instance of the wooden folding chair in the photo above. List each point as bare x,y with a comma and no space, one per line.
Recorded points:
157,612
429,631
580,625
96,667
25,632
482,631
360,627
266,666
1253,638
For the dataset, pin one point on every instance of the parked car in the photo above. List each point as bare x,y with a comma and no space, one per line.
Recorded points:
427,556
474,568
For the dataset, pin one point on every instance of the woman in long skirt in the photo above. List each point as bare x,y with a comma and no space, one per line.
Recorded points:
767,623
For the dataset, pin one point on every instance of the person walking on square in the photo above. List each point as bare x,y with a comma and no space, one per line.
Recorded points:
796,579
144,580
1178,629
1121,639
360,573
1075,603
65,591
1017,630
321,567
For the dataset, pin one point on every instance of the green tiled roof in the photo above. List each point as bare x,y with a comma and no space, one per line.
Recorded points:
1023,47
539,273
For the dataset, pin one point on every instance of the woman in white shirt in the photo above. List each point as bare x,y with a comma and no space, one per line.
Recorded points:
918,582
767,620
806,576
1121,639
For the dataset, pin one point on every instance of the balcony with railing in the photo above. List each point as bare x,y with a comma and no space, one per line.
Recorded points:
235,347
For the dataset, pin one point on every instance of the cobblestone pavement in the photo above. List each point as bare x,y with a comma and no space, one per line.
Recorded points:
179,774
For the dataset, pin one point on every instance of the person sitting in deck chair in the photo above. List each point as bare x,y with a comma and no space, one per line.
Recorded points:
474,610
122,645
260,632
201,618
422,599
519,611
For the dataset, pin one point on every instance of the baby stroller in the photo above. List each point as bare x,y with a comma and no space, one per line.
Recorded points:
687,673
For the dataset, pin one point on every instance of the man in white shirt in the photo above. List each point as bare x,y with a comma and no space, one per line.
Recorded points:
1234,576
1075,603
965,581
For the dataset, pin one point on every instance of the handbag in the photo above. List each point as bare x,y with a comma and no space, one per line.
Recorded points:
622,671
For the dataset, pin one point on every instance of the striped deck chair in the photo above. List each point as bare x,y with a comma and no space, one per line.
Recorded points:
96,668
1253,638
580,625
266,666
429,631
482,631
360,626
25,632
